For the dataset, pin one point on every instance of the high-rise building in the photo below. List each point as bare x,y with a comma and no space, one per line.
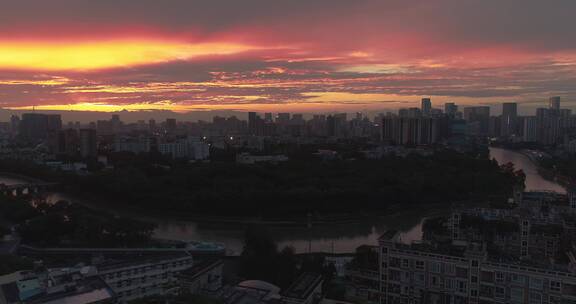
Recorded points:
88,143
65,142
509,119
548,126
14,124
171,125
426,106
268,117
410,112
116,124
283,118
409,130
253,123
450,109
554,103
479,118
529,129
37,127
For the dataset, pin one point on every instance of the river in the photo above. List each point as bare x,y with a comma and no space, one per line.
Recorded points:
534,181
331,238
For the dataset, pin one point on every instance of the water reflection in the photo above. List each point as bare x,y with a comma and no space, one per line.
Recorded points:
533,180
332,238
337,238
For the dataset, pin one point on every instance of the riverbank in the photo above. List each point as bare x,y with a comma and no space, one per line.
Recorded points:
537,177
290,221
534,156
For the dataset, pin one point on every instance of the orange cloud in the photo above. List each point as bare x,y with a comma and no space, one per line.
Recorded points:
105,54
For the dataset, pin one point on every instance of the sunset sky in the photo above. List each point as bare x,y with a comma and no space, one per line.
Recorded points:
284,55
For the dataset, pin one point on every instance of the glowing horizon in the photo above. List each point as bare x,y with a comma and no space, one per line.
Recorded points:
289,54
65,56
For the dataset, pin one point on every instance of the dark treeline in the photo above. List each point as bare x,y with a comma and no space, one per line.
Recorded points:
304,185
298,187
565,165
261,260
63,224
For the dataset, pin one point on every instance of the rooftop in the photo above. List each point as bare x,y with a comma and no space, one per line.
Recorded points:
122,263
303,286
200,268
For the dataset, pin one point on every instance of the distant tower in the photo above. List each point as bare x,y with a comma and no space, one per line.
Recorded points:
455,224
509,118
572,198
524,237
426,106
518,194
450,109
554,103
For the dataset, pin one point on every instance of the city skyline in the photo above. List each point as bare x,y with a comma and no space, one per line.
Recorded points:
289,56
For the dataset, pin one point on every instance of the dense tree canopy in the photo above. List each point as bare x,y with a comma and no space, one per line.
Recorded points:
300,187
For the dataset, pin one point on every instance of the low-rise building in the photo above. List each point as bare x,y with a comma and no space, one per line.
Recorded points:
248,159
307,289
202,278
78,285
144,277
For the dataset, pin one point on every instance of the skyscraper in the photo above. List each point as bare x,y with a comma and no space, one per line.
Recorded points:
554,103
37,127
426,106
88,143
171,125
509,118
450,109
478,118
529,129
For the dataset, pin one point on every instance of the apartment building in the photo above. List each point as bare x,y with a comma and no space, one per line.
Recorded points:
464,273
144,277
523,253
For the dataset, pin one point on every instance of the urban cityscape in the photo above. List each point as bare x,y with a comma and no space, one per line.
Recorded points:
287,152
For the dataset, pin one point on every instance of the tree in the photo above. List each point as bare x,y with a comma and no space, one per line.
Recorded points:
258,260
12,263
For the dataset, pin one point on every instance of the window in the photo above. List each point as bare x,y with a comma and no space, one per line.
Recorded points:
395,275
518,279
420,265
405,276
405,290
405,263
420,279
462,286
536,283
555,286
499,292
435,281
474,263
517,295
535,298
473,293
499,277
474,279
555,300
487,276
486,291
436,267
462,272
450,284
450,269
